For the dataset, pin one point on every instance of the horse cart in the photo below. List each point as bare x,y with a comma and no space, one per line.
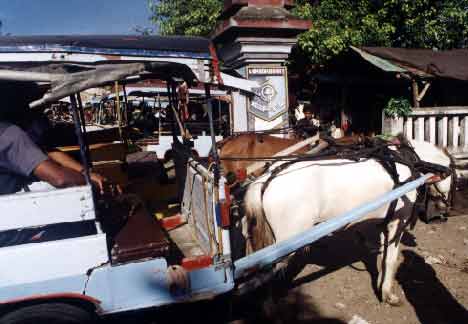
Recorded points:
104,264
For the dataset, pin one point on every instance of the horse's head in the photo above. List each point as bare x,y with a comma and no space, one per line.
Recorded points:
439,192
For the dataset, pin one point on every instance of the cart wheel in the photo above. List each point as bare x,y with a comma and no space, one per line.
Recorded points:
49,313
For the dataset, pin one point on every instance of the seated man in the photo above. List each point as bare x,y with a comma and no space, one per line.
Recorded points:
21,160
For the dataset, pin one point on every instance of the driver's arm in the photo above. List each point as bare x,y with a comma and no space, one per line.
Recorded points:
57,175
21,156
66,161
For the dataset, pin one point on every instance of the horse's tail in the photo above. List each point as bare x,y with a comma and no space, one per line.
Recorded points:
257,230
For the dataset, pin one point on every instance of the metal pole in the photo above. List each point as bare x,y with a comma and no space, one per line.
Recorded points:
275,252
79,135
160,116
83,130
119,113
220,120
212,132
216,172
126,104
101,107
171,104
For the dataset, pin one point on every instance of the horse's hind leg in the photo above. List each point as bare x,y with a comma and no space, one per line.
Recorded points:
390,240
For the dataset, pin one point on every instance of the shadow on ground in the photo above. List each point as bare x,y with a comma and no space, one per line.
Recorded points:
431,300
258,307
266,306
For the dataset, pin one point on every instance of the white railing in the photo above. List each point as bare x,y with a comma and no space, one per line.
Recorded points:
444,126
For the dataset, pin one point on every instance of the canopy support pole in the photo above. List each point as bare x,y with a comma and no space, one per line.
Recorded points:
83,129
81,140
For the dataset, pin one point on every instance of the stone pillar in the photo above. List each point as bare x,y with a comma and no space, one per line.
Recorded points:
255,37
392,126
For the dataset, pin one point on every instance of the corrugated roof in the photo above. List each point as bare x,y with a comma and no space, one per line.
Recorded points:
452,64
379,62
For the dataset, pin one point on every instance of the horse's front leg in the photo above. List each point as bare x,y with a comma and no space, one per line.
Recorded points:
390,243
389,239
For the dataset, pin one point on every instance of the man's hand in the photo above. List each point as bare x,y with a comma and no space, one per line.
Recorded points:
104,185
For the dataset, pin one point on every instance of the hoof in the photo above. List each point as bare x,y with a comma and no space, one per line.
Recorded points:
392,300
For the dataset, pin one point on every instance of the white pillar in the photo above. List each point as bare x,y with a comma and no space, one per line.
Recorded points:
453,132
239,112
432,129
464,133
419,131
391,125
442,132
409,128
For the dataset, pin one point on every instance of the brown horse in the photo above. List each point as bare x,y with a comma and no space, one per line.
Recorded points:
251,145
255,145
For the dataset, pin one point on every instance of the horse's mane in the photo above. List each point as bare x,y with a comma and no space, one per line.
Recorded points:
221,143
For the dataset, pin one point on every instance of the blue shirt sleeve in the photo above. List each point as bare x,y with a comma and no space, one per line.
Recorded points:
18,153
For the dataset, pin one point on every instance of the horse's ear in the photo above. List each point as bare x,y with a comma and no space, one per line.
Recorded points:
447,153
402,138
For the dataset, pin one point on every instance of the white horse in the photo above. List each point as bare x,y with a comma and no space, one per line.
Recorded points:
306,193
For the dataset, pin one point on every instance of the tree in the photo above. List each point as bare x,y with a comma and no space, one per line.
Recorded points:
185,17
337,24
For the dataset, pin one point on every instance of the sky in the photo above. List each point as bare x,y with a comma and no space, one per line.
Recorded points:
67,17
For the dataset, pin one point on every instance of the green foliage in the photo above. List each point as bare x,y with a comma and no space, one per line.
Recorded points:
337,24
185,17
386,136
397,107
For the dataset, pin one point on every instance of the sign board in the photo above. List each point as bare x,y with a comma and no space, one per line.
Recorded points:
270,100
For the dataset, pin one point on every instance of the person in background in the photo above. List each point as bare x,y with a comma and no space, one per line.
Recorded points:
309,125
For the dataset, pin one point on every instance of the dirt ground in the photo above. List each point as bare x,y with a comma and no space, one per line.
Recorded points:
337,287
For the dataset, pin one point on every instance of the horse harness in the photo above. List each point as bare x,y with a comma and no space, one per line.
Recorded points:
382,152
367,148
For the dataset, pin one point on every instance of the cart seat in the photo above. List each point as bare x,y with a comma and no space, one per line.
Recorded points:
139,238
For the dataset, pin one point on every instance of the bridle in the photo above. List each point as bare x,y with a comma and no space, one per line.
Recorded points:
439,196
